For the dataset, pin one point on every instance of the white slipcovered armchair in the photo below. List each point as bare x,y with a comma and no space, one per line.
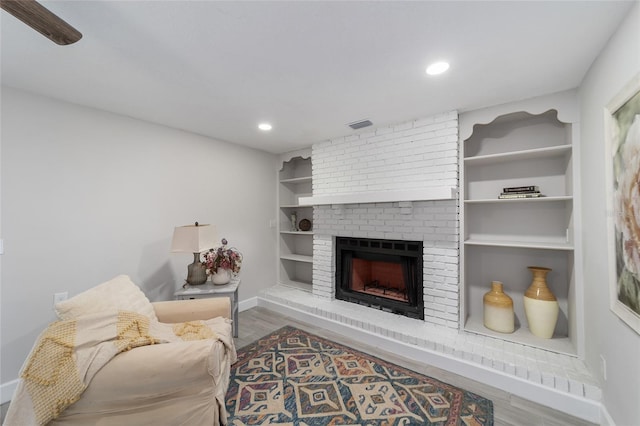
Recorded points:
182,382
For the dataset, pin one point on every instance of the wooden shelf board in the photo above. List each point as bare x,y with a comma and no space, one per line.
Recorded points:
522,335
302,179
303,285
520,244
297,232
520,200
297,258
554,151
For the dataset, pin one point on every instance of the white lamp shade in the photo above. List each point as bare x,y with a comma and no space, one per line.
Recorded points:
194,238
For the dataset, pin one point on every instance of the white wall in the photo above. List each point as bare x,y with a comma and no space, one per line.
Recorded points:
87,195
606,334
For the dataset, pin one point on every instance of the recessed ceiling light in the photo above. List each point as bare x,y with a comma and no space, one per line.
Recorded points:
264,127
437,68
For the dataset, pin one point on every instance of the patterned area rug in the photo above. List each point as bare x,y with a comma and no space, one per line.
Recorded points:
291,377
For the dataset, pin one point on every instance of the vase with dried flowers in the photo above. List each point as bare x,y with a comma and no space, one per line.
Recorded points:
222,262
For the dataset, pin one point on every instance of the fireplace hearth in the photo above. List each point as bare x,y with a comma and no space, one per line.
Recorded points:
382,274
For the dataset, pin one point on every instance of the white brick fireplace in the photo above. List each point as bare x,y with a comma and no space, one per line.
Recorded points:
411,167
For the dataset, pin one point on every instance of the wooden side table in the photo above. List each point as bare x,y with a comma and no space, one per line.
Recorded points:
210,290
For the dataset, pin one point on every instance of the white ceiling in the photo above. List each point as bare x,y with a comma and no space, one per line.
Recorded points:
309,68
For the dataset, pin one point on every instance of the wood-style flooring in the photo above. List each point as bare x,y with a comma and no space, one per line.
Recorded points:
508,409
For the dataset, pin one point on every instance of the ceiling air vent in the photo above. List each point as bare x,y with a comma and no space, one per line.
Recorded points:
359,124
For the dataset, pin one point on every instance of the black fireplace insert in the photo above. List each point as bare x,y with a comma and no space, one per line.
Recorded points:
382,274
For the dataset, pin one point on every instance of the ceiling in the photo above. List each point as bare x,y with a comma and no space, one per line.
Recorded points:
309,68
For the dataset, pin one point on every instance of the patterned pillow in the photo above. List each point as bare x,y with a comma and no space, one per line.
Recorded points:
120,293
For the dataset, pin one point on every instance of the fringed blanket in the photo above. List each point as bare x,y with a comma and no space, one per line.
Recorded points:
68,354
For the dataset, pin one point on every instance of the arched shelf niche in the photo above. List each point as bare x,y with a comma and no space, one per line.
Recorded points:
525,143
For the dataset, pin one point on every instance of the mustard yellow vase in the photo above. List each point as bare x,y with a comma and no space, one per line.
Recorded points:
498,309
540,304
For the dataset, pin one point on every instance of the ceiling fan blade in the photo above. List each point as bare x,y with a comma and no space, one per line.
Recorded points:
42,20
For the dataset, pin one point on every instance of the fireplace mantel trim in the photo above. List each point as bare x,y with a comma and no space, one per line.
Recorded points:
426,194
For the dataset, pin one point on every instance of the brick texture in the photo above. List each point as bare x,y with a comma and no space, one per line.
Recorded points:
417,154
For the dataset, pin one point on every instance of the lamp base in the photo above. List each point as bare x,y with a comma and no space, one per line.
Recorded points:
196,272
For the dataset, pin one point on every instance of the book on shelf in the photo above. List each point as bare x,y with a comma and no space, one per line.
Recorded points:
520,189
509,196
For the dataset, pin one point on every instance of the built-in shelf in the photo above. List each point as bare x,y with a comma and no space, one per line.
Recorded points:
301,285
520,244
520,200
297,232
425,194
302,179
501,238
529,154
295,248
297,258
559,344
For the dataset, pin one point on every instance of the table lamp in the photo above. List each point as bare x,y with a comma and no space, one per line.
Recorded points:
194,239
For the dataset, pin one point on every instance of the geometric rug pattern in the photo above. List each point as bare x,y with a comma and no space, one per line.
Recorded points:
295,378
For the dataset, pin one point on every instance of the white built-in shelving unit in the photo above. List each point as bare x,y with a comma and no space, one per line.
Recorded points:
528,143
295,247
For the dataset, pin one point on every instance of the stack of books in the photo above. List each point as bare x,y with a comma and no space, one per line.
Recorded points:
520,192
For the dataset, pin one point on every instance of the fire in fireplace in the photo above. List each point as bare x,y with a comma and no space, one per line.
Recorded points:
384,274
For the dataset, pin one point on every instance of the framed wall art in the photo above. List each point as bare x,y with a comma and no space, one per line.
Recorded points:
622,127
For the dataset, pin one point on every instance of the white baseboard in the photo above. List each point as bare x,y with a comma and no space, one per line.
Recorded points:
247,304
7,390
573,405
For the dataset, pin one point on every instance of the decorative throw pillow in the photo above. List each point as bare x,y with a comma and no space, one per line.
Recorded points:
120,293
